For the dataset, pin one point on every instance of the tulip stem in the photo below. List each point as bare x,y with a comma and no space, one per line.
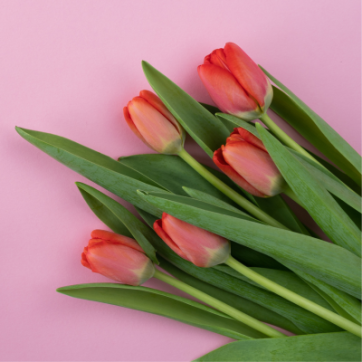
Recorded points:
221,306
283,137
229,192
295,298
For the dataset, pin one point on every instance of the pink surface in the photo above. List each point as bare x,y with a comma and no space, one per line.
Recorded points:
68,67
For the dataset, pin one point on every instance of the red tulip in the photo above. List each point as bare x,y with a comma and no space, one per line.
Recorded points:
235,83
196,245
117,257
246,161
152,122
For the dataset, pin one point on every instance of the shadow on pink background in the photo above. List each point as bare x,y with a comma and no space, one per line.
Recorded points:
68,67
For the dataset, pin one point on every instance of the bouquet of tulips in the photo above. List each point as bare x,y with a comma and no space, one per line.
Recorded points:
225,235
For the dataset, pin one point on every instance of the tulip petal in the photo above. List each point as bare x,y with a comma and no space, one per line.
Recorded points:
99,235
157,131
255,165
156,102
217,57
132,126
201,247
226,92
248,74
157,226
229,171
250,138
117,262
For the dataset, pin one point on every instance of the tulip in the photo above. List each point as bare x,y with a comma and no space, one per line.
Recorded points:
200,247
235,83
117,257
246,161
152,122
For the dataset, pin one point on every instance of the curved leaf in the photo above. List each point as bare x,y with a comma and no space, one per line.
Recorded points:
315,198
163,304
306,321
326,347
327,262
313,128
101,169
198,122
117,217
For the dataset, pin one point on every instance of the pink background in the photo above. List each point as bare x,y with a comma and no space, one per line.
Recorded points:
68,67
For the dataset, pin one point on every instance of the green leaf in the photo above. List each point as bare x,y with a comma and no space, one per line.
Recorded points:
103,170
285,278
332,183
304,320
172,173
198,122
313,128
242,304
349,304
117,217
325,211
202,196
327,262
327,347
163,304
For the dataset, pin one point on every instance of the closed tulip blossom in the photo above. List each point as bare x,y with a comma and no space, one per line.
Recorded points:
235,82
117,257
199,246
246,161
152,122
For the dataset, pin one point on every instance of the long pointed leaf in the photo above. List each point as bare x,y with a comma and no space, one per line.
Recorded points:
315,198
315,130
163,304
242,304
103,170
198,122
306,321
330,263
117,217
326,347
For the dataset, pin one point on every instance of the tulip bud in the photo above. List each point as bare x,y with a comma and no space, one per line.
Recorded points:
235,83
246,161
199,246
152,122
117,257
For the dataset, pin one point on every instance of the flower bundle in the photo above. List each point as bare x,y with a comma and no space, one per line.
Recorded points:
226,236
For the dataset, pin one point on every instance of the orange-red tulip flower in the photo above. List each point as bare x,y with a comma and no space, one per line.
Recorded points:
246,161
192,243
152,122
117,257
235,83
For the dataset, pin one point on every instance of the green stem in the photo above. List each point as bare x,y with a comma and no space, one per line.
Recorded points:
283,137
221,306
296,298
229,192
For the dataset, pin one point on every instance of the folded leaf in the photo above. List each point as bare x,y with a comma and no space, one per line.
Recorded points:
325,211
313,128
163,304
327,262
341,346
117,217
101,169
